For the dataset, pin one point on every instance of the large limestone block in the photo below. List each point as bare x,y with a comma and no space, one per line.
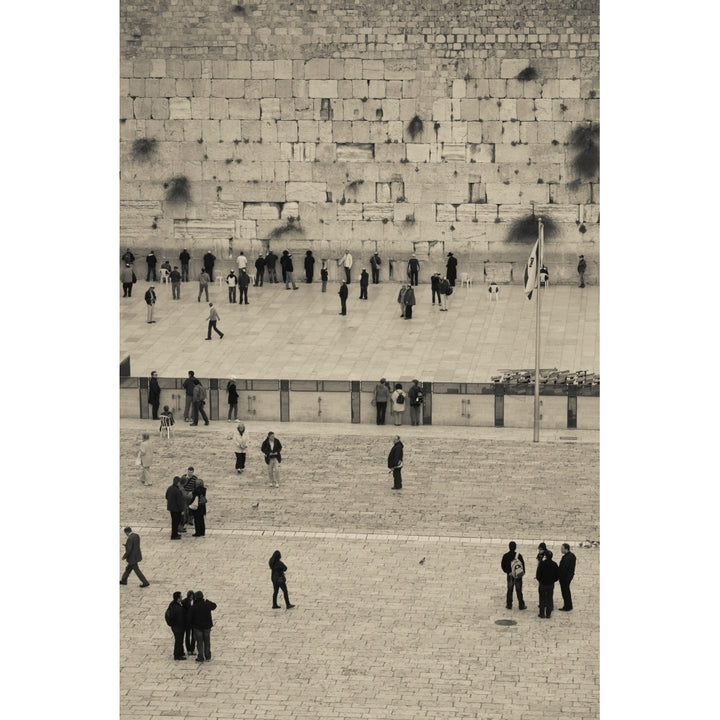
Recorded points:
510,68
317,69
348,212
445,212
325,152
262,69
376,89
378,211
261,211
230,130
126,108
142,108
199,108
373,69
568,68
400,69
417,152
218,108
239,69
270,108
353,68
287,131
282,69
323,88
306,191
507,109
227,88
307,131
466,212
568,110
389,153
201,88
258,192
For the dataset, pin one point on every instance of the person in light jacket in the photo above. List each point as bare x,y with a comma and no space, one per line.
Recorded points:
240,444
399,401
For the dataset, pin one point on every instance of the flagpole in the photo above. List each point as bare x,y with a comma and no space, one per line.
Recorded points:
536,414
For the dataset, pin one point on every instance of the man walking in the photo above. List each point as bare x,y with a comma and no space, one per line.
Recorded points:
395,462
150,299
203,282
231,281
343,293
546,575
416,397
212,323
566,572
271,448
199,395
201,619
175,506
209,264
132,557
184,258
175,618
259,271
175,278
513,565
582,266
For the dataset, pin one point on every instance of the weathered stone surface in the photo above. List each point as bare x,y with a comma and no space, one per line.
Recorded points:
306,191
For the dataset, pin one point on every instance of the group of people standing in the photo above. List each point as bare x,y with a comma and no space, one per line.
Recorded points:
399,399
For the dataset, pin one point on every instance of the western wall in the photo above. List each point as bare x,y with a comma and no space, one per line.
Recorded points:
402,127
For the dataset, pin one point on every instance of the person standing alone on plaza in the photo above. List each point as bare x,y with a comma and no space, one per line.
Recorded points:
279,582
203,282
513,565
145,456
132,557
209,263
201,619
375,263
150,299
212,323
243,284
343,293
232,398
381,395
451,269
566,572
413,269
154,394
364,278
581,268
240,443
409,301
271,448
346,261
395,462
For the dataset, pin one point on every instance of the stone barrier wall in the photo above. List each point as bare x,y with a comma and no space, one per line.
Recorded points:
391,127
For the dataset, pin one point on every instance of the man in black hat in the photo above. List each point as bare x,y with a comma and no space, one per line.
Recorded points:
151,261
185,265
451,267
209,264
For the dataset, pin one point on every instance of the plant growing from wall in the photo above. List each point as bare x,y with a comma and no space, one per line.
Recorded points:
144,148
289,226
525,229
529,73
415,127
177,189
585,140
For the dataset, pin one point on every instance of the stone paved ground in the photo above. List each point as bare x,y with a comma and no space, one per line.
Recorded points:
375,634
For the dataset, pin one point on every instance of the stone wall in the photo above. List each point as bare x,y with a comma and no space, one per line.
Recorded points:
389,127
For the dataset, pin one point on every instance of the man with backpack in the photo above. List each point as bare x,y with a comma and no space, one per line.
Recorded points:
199,395
513,565
175,618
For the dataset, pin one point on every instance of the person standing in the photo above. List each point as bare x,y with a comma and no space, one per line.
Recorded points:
209,264
546,575
271,447
132,557
398,403
309,266
324,276
375,263
199,395
364,278
401,299
198,507
203,282
128,257
240,443
395,462
343,293
232,398
409,301
184,258
283,265
445,291
277,575
513,565
201,620
241,262
175,278
175,617
259,271
175,506
150,299
413,269
244,284
231,281
566,572
581,268
188,482
126,278
289,270
188,384
451,269
435,287
187,609
416,398
270,261
151,261
154,394
381,396
346,261
212,319
145,455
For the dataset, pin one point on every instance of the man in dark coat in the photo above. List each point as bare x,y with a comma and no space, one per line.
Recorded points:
395,462
375,263
364,278
175,506
243,284
581,268
343,293
150,299
128,257
546,575
189,637
566,572
409,301
126,278
185,265
309,266
154,394
451,267
435,287
270,260
132,556
175,278
259,271
512,581
176,613
188,384
201,619
413,268
416,397
151,261
209,264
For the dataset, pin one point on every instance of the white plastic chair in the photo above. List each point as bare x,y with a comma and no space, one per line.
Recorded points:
465,279
544,279
165,426
164,275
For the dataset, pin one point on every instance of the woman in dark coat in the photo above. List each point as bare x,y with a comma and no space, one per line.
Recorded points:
154,394
200,511
309,266
277,575
232,399
409,301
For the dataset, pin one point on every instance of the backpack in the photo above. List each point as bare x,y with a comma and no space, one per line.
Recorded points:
201,394
168,615
449,290
516,567
400,399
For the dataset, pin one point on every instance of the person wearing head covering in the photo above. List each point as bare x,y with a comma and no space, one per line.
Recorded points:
343,293
364,279
435,287
240,443
232,398
184,258
451,268
198,507
151,261
309,266
289,271
126,278
409,301
375,263
209,263
277,576
201,620
271,448
259,271
581,268
401,299
232,281
546,576
413,269
514,576
154,394
150,299
398,398
416,398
